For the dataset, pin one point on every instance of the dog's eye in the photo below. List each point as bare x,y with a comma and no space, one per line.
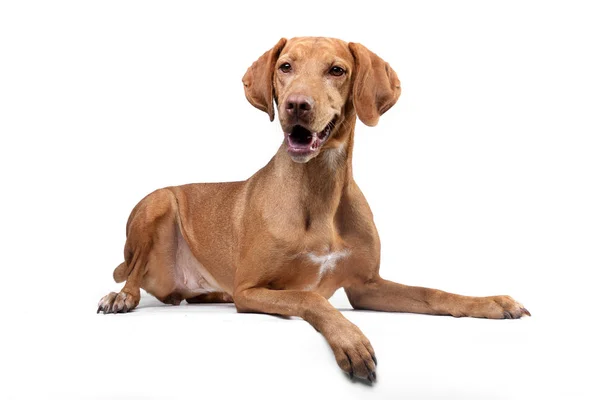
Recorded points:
337,71
285,68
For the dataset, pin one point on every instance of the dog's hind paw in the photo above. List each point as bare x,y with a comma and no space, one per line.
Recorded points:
121,302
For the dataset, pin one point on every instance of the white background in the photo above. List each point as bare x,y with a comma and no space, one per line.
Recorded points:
484,179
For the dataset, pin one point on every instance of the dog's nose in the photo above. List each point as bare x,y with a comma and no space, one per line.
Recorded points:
298,105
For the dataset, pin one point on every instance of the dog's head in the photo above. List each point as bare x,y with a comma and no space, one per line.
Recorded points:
317,85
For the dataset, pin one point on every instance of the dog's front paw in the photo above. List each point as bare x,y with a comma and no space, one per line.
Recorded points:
493,307
508,308
118,302
353,352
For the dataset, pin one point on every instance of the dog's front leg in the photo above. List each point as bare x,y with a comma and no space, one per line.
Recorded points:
381,295
353,351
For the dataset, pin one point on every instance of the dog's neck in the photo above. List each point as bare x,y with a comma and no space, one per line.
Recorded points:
321,181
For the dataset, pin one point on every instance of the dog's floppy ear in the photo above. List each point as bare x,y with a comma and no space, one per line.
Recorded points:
258,80
376,86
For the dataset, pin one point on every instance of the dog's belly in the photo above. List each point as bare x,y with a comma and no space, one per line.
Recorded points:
191,277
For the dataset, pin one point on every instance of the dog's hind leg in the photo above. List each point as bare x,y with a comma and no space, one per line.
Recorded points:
128,298
149,253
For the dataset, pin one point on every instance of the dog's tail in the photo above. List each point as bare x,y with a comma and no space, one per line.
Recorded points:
121,273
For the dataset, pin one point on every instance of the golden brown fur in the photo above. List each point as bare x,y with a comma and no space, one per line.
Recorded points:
286,239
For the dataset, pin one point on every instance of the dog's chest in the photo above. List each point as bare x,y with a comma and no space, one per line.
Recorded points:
325,263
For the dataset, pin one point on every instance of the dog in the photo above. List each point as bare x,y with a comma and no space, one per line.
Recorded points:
283,241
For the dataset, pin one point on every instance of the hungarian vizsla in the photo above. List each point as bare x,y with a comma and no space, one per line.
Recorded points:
283,241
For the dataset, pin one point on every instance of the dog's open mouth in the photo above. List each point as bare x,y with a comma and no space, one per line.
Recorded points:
302,141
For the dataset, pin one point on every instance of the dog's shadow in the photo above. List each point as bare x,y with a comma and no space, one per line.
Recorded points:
150,303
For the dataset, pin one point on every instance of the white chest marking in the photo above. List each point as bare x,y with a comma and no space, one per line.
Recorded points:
327,261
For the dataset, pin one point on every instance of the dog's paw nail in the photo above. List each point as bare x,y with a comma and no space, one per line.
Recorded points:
525,311
372,377
375,360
